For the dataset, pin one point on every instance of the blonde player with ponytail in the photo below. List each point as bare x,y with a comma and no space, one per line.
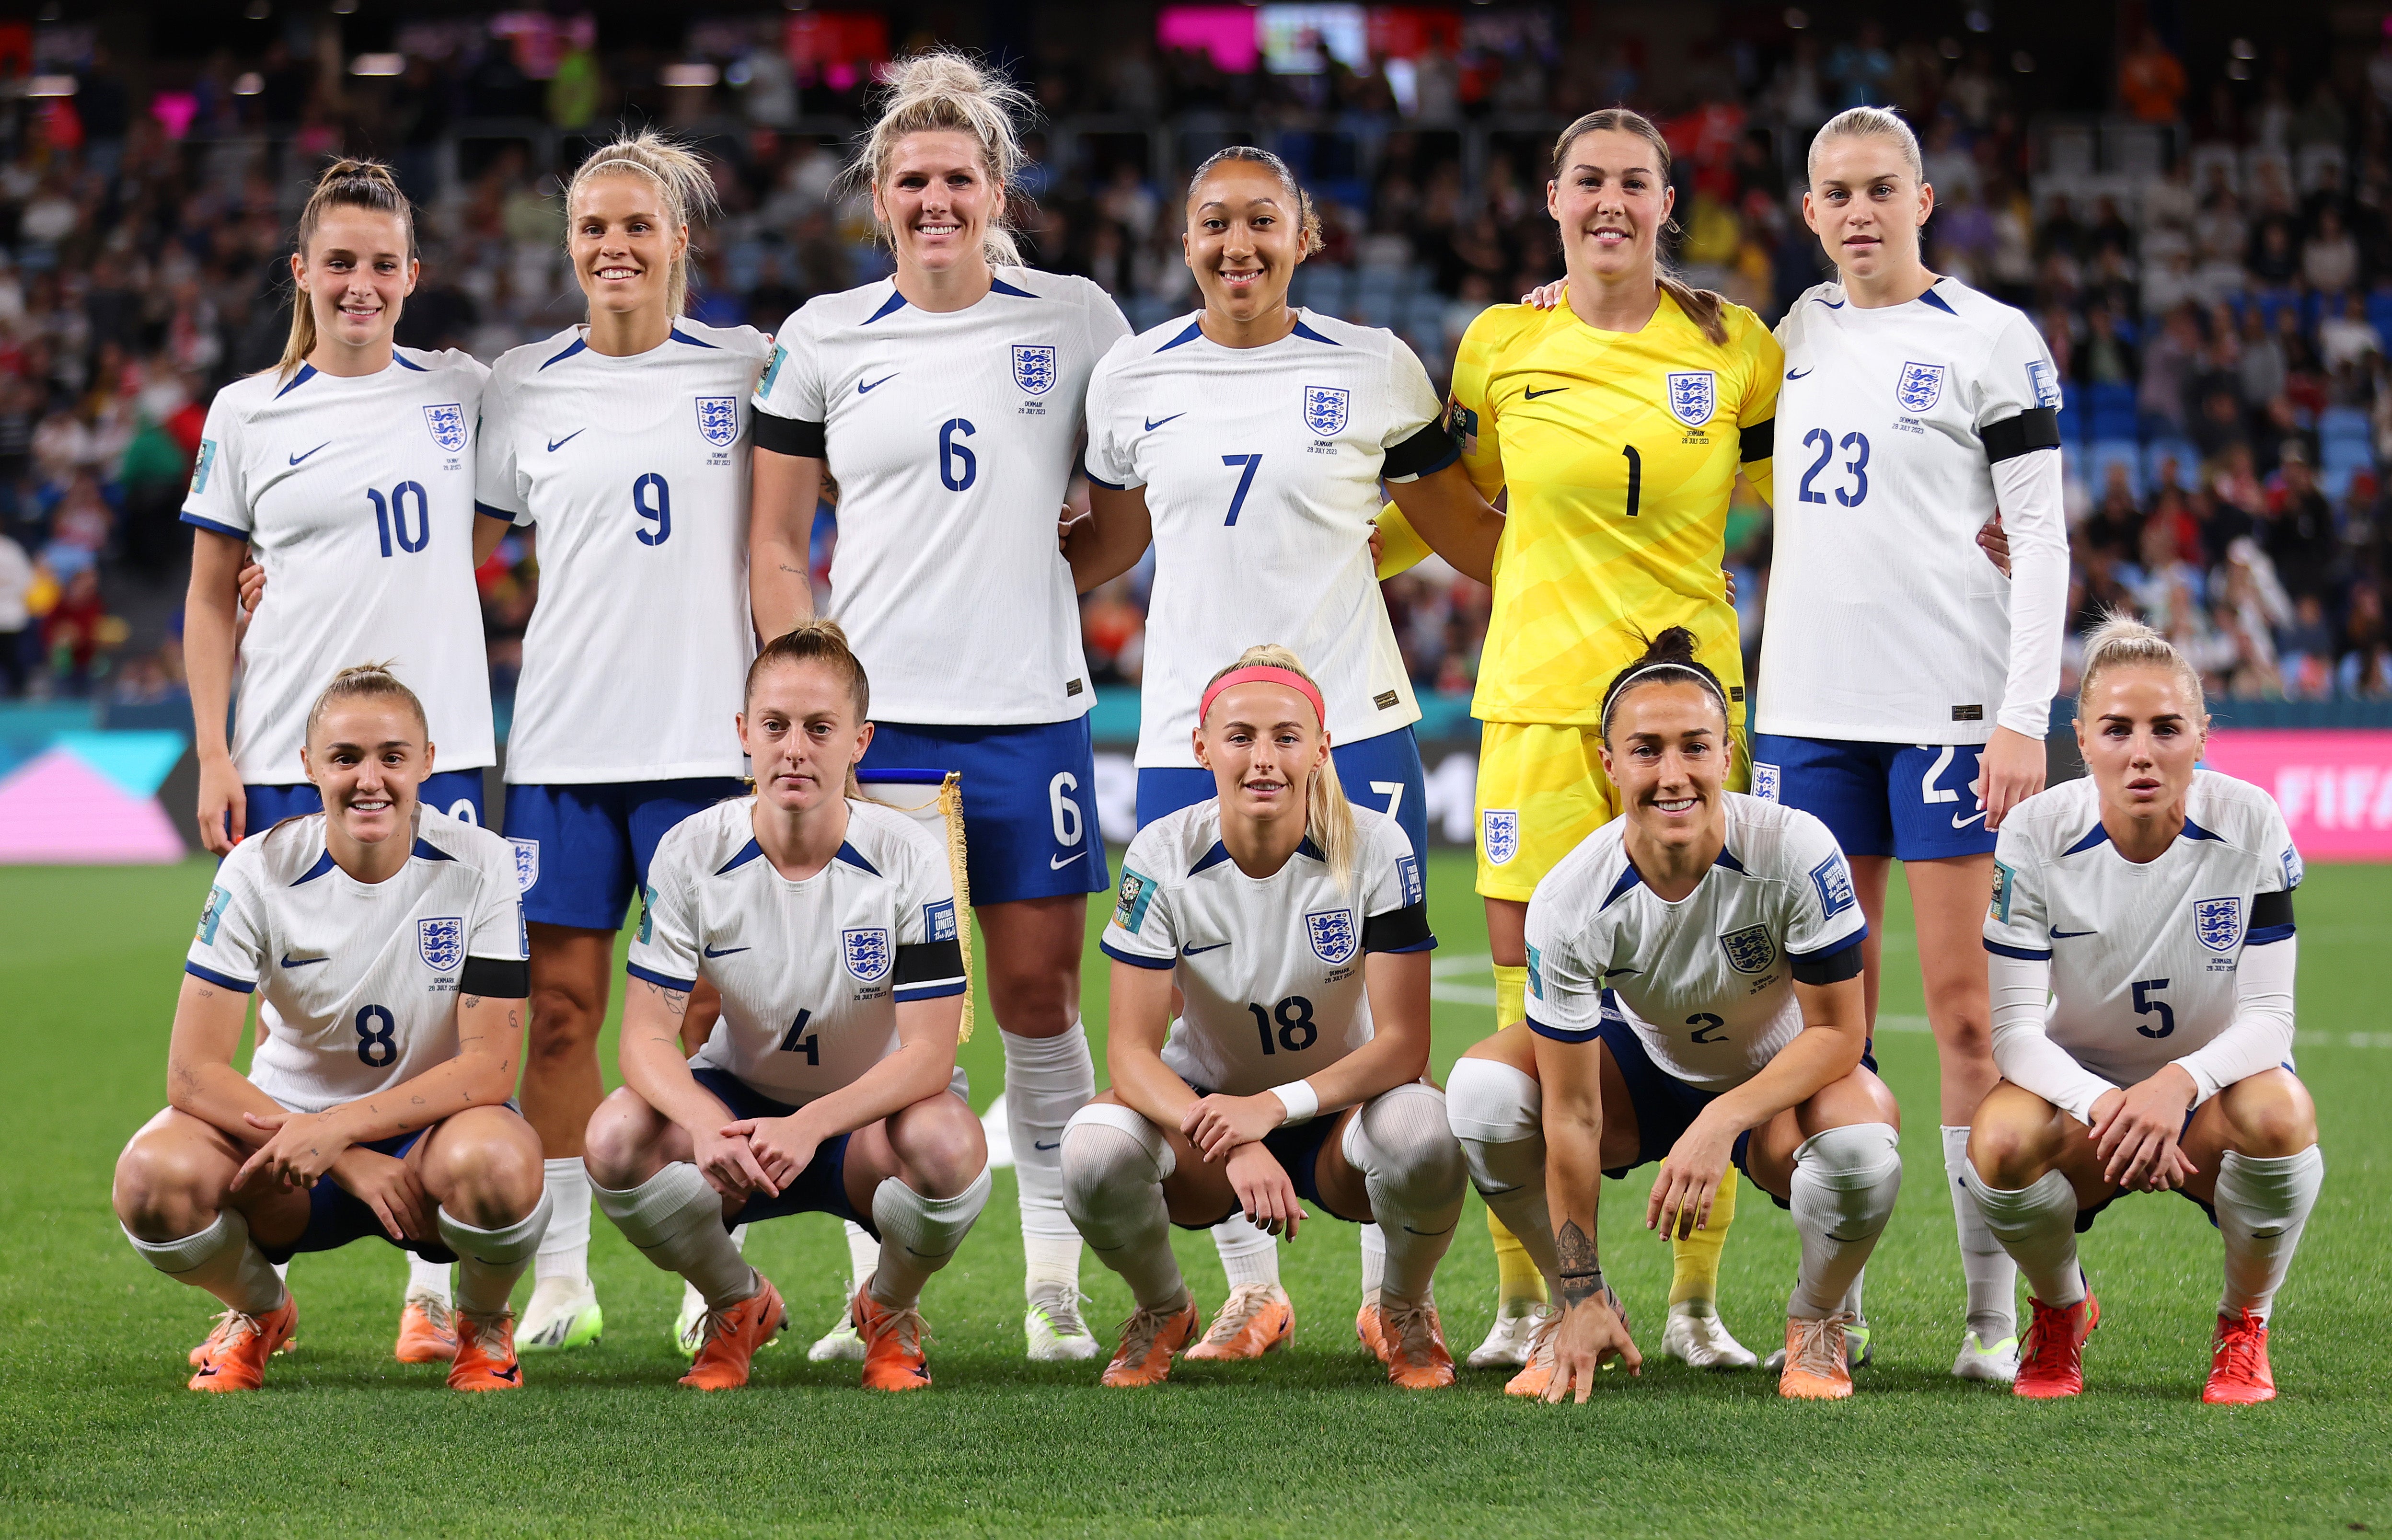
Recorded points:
1293,926
623,441
347,470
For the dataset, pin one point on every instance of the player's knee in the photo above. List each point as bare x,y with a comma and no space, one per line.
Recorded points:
495,1179
2272,1115
159,1191
2002,1150
1108,1151
565,1022
1487,1101
619,1145
1032,1002
940,1145
1403,1142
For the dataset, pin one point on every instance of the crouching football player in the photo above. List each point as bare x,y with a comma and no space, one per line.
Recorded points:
829,925
2141,934
385,941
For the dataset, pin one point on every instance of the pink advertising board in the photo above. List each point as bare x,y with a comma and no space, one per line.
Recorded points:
2334,785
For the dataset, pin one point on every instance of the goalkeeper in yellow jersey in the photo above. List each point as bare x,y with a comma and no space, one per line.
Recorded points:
1615,425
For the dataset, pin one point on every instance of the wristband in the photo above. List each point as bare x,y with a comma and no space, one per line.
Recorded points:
1298,1098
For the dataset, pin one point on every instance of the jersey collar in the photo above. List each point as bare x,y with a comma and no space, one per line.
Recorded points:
2097,836
1632,878
1220,852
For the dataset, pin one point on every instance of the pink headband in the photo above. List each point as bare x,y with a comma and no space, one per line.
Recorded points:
1263,675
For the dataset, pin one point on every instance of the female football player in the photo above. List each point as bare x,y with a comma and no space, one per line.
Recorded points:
2179,1081
946,402
1615,422
624,441
1319,411
349,470
1695,999
384,942
828,925
1915,409
1293,926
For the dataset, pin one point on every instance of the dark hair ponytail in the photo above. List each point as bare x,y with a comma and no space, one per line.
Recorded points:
1705,309
345,184
1667,659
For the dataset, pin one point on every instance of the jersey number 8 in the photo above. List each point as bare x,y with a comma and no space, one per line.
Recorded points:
376,1047
1296,1031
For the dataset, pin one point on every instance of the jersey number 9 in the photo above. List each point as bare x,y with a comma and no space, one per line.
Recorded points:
652,500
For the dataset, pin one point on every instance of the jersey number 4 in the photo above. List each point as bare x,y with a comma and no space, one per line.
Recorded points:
800,1041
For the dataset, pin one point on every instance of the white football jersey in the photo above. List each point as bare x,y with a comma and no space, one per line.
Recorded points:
1262,467
812,972
2143,958
1271,968
636,471
357,496
1707,982
951,436
358,982
1886,623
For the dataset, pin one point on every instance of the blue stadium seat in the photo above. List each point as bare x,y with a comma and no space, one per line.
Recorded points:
2379,312
2106,452
2335,480
2344,424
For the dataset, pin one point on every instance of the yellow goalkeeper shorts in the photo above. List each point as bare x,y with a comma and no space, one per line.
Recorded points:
1541,790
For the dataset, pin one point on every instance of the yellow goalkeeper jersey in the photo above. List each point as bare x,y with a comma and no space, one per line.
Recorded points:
1618,450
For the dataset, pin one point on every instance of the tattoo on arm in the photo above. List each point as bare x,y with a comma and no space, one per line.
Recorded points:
1581,1275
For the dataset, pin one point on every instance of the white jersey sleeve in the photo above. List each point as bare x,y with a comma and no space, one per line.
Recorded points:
665,948
1412,406
498,489
1820,913
1142,932
229,948
1566,1000
218,499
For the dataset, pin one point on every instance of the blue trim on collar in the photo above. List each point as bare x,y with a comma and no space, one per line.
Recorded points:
678,335
1727,858
402,360
307,372
2194,830
854,858
2094,839
1628,879
579,343
747,852
1215,857
1304,331
1195,330
425,850
1938,301
895,303
1832,304
998,286
1306,848
323,864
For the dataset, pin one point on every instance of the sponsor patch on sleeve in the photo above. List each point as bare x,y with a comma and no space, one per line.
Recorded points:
1137,893
1835,885
199,469
2293,869
2042,380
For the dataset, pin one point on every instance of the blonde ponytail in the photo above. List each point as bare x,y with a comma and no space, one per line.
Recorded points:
1705,309
943,91
1328,817
2123,642
345,184
680,174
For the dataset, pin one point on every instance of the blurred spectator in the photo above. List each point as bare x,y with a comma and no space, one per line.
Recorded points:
2150,82
15,586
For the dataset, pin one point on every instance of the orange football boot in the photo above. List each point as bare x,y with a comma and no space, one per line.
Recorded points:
732,1337
427,1332
892,1344
1148,1338
1413,1346
485,1354
2239,1375
240,1345
2051,1355
1814,1368
1256,1318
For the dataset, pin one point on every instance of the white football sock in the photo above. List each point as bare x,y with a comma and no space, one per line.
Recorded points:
282,1271
427,1280
488,1261
1047,1079
1114,1165
918,1234
1248,1255
1991,1276
1842,1192
1497,1116
220,1258
2263,1204
675,1219
1412,1169
1374,1262
564,1250
2036,1225
863,1255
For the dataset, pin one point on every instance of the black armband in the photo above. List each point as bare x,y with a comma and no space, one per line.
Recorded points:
2272,918
1829,967
1404,929
1757,442
929,960
1431,448
2036,428
788,436
497,977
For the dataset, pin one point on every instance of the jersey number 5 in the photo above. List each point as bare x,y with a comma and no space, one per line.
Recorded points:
2147,1001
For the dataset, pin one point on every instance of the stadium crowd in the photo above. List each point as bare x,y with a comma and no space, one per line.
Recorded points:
2221,321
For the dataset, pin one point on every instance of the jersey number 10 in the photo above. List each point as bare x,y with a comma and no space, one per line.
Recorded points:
390,517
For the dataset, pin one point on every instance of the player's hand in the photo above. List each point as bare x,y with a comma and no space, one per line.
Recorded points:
1545,296
391,1188
1217,1124
1730,584
302,1147
2010,770
1589,1333
729,1162
1378,546
782,1145
1996,544
1689,1179
1263,1190
224,805
252,587
2136,1130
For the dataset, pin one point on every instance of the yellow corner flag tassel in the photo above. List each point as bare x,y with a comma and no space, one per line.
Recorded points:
1515,1276
1696,1261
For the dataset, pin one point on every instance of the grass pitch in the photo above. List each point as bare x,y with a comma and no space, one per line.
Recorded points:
97,1436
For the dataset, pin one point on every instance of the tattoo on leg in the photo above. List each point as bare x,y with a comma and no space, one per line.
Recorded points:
1580,1274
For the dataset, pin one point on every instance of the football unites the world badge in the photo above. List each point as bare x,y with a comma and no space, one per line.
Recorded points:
1034,368
717,419
448,424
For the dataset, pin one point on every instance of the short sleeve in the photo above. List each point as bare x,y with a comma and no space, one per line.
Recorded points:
1110,461
1395,899
498,483
791,386
929,952
229,948
664,951
218,498
1415,441
2015,924
2018,393
499,930
2284,872
1467,421
1142,931
1823,914
1756,414
1567,1002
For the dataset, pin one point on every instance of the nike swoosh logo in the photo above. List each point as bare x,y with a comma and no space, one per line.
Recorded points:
1057,863
861,388
1964,823
1832,304
1614,973
1796,373
512,1373
291,962
1154,422
1194,951
725,952
296,459
556,444
2060,934
1035,1145
1532,393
